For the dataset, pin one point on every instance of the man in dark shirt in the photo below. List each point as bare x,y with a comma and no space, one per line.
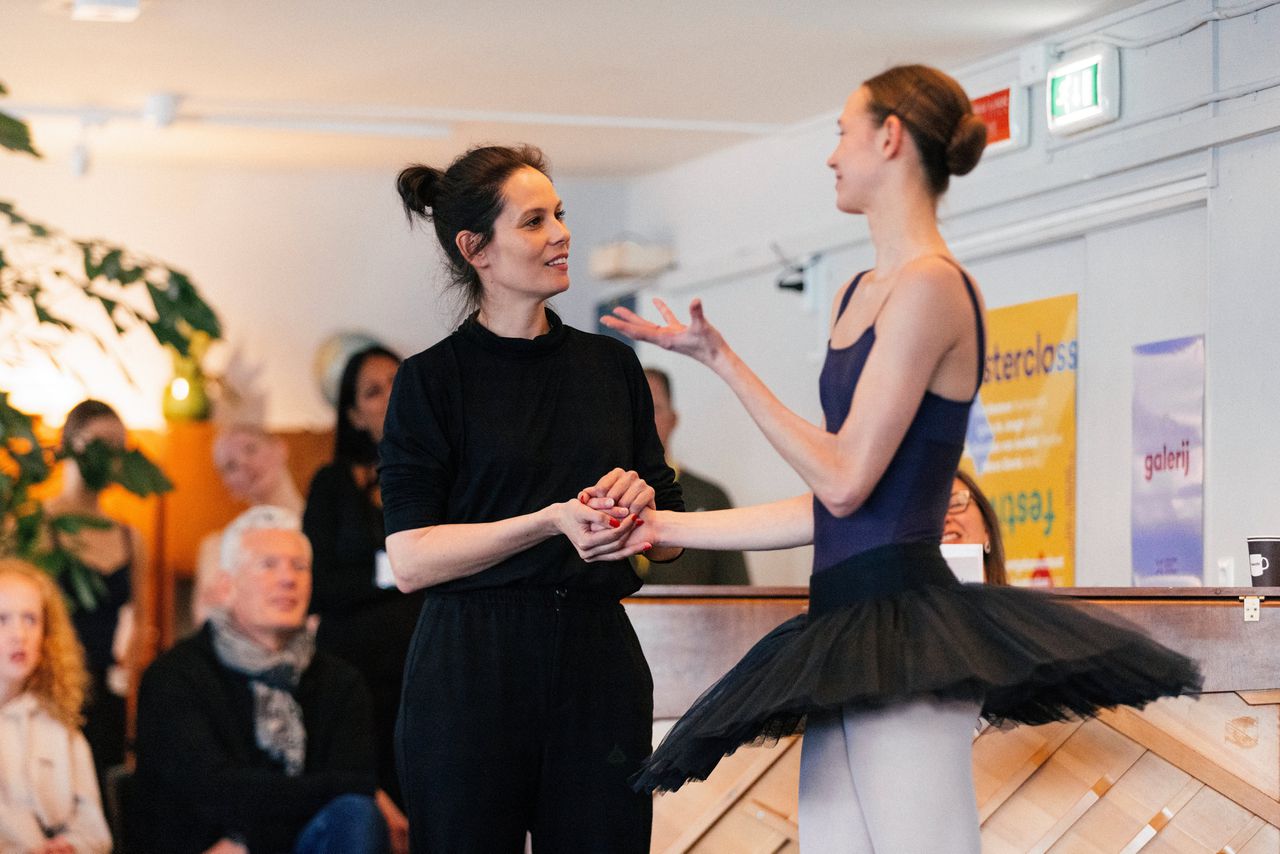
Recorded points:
248,738
694,566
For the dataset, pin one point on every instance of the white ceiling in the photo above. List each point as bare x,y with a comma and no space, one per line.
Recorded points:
607,88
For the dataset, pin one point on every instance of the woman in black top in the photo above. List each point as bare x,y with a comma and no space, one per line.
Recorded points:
363,617
117,553
527,701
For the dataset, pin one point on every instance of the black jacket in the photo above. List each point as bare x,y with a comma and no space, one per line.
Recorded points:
200,773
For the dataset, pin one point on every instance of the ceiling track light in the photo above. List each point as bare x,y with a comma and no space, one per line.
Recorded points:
106,11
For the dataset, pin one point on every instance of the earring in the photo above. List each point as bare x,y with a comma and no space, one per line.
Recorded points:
986,547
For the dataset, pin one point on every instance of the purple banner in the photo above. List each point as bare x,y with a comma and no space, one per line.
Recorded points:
1168,463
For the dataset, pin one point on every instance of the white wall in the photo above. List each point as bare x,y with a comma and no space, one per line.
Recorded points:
1173,205
285,257
1163,222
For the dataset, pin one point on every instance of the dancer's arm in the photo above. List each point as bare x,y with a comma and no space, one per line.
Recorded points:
422,557
925,319
778,525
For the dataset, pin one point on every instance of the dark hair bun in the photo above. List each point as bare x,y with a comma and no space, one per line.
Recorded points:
418,186
965,149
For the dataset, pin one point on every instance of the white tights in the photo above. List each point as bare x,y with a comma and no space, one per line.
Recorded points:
897,780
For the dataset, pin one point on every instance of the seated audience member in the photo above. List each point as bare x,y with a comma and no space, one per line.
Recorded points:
972,519
253,465
247,736
364,619
694,566
48,790
117,553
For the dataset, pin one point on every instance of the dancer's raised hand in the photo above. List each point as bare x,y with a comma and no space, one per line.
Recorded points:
698,338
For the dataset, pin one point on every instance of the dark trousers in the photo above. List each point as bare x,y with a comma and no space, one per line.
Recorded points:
525,711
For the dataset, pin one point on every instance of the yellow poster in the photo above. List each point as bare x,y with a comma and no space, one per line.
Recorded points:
1021,442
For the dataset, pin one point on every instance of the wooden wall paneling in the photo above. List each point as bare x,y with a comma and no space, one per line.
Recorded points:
691,644
1260,698
1082,805
1207,824
777,790
680,817
1086,764
1150,736
737,831
684,818
1265,841
1250,831
1242,738
1134,810
1004,759
1181,776
1206,624
1161,819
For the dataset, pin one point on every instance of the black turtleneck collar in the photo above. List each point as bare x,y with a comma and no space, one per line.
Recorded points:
544,344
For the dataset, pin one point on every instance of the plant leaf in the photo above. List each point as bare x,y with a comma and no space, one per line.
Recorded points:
74,523
15,136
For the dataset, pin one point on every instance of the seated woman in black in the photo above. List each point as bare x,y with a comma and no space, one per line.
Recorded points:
363,617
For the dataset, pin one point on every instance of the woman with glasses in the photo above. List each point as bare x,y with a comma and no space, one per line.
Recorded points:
972,520
895,659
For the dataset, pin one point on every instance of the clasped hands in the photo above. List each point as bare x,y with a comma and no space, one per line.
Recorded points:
604,521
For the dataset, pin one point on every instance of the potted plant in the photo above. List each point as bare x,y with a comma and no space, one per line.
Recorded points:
41,267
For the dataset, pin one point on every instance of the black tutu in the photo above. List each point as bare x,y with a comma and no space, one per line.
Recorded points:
893,624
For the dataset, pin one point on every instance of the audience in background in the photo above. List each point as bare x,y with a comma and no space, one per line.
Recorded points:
117,553
253,465
249,738
695,566
364,619
49,800
972,519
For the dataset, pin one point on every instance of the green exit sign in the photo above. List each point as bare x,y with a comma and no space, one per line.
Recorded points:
1083,90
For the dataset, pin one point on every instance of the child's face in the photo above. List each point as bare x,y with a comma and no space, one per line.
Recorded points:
21,630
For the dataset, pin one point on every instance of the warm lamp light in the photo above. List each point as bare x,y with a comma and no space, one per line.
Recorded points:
184,397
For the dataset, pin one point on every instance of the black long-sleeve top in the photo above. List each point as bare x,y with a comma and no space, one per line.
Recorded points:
482,428
201,775
345,530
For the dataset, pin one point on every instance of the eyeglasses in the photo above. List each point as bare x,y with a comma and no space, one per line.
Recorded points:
959,502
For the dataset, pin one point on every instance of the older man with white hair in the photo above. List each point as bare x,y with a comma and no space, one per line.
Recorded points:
248,738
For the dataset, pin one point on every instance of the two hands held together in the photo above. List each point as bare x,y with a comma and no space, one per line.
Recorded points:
607,521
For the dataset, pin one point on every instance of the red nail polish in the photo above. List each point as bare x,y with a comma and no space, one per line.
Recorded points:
582,498
614,523
647,547
639,522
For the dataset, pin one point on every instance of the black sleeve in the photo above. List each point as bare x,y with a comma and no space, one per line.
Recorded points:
730,568
341,578
184,760
417,461
343,747
651,459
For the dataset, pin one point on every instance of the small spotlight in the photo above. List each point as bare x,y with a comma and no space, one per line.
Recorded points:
106,11
179,389
160,109
80,160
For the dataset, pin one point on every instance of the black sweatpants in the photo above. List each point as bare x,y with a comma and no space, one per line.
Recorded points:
525,710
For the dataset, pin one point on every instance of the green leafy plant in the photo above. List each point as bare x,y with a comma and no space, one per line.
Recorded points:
40,268
100,465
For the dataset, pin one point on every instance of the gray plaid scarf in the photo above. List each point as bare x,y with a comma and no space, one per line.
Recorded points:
273,676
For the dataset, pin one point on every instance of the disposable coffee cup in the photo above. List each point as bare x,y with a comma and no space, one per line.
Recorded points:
1264,561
